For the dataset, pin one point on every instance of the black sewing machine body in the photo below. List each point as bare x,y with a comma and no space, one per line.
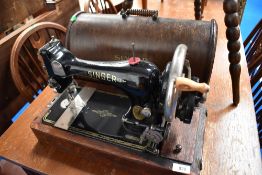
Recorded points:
140,82
138,120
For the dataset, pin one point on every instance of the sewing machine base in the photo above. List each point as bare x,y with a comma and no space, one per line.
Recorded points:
80,139
100,118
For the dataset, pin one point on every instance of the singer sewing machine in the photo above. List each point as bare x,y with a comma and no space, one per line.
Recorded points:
140,118
137,96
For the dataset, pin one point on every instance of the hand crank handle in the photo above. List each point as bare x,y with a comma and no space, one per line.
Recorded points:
185,84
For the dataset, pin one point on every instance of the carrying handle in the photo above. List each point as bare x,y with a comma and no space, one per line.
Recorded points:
140,12
185,84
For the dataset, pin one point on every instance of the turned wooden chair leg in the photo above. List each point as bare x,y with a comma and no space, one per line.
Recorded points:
144,4
233,33
198,13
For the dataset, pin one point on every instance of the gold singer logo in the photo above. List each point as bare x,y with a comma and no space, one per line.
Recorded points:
124,57
105,76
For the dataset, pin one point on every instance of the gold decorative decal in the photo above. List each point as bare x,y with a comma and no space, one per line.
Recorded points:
104,113
105,76
120,57
47,120
108,139
130,137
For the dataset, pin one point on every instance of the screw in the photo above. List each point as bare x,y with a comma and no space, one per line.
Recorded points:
146,112
177,149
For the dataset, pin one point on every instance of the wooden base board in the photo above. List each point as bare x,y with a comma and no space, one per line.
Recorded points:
189,136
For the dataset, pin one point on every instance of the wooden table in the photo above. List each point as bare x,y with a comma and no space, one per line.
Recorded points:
231,141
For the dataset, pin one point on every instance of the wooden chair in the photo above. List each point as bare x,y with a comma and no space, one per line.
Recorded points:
253,51
199,6
106,6
26,66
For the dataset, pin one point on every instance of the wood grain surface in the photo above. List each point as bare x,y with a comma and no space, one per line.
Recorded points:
177,134
231,142
15,11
